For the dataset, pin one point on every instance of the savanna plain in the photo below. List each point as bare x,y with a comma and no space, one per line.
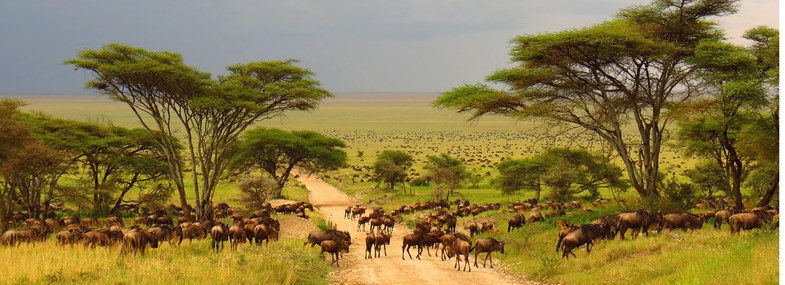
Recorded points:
373,122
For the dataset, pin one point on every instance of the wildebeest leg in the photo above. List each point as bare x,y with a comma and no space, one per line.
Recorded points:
623,231
467,262
405,249
489,255
476,252
419,251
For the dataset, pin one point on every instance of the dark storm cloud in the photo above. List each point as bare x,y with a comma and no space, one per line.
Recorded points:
410,45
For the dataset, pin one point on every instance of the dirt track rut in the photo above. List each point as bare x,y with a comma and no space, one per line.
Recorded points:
391,269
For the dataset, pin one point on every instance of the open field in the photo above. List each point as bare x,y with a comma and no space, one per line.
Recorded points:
375,122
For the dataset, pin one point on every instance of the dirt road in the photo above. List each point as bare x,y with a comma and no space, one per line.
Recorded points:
391,269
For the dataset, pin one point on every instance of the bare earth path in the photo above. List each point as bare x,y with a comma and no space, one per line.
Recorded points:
391,269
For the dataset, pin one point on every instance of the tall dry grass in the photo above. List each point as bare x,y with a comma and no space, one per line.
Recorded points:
282,262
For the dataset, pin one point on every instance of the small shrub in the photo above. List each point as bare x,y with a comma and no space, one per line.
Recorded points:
550,265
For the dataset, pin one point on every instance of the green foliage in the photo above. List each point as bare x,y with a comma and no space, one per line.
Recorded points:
390,167
115,162
761,179
520,174
447,172
566,171
677,197
709,178
766,50
325,225
278,152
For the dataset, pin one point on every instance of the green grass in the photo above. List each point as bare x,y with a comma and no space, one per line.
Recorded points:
707,256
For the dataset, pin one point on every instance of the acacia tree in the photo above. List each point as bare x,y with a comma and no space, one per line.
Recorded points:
390,168
173,100
734,81
762,136
628,71
29,169
278,152
111,160
447,172
517,174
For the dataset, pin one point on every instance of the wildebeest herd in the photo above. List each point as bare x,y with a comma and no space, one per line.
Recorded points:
152,228
437,228
434,228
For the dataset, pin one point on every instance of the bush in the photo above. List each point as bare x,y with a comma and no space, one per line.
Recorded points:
256,190
420,181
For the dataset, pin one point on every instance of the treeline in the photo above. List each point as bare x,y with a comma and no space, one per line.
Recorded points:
46,163
49,164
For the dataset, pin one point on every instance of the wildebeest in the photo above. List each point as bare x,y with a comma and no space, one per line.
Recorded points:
69,237
447,241
317,237
609,224
536,217
236,236
347,213
640,220
382,240
722,216
682,221
265,233
389,224
96,238
370,241
193,232
409,241
461,247
748,221
137,240
563,233
357,212
219,233
362,221
585,234
334,247
488,245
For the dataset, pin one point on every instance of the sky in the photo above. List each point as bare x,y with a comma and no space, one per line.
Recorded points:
352,46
